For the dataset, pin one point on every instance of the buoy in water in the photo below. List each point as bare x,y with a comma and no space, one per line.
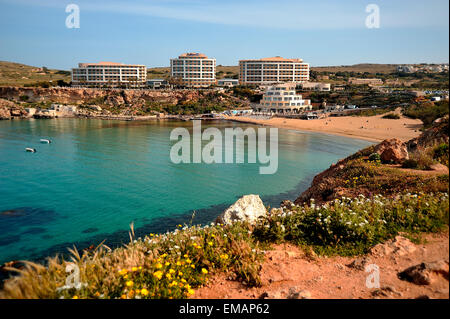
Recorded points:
43,140
31,150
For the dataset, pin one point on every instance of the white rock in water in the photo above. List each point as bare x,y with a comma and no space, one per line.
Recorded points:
248,208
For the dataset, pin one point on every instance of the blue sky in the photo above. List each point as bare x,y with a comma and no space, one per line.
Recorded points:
151,32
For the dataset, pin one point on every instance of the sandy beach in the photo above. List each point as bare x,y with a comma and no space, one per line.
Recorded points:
371,128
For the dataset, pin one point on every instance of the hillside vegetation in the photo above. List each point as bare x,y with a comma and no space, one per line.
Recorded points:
359,68
16,74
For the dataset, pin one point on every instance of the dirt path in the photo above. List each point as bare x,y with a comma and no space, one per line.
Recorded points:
436,169
287,269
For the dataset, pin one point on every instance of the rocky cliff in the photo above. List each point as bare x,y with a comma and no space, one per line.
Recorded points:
114,97
10,109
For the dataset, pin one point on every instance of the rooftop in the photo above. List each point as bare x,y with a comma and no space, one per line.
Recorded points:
104,63
276,59
193,55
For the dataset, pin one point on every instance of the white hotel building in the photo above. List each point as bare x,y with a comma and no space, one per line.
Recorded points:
282,98
273,70
194,69
109,74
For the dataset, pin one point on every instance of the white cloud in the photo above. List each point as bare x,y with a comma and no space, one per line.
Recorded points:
276,14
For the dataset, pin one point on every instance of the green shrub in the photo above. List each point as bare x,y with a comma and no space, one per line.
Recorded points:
391,116
427,112
375,157
352,226
441,154
410,163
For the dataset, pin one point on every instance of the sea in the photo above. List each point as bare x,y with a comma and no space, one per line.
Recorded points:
97,177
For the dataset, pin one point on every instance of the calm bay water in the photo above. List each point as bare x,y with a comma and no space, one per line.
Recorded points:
96,177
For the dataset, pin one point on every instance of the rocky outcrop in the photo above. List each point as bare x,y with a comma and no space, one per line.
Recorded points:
324,185
291,293
432,136
425,273
248,208
10,109
331,183
360,263
4,113
399,246
392,151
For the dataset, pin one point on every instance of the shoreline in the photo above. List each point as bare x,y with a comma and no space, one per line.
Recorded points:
369,128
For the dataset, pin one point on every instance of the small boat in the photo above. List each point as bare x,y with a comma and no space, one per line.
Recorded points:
29,149
43,140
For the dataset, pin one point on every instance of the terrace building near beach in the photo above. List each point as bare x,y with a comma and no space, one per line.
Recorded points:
109,74
370,81
227,82
273,70
282,98
194,69
315,86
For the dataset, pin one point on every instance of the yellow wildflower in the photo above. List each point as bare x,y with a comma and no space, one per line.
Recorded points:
134,269
210,243
75,297
188,261
159,266
158,274
171,271
169,276
204,271
167,263
123,272
129,283
144,292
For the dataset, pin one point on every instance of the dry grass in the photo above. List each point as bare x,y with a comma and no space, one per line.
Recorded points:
158,266
16,74
364,67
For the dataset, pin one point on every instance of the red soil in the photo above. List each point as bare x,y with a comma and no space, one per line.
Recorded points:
287,266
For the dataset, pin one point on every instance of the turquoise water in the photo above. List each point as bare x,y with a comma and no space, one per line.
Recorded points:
96,177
